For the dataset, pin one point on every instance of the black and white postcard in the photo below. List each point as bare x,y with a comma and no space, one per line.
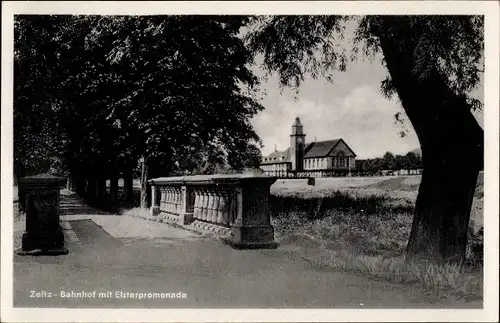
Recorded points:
250,161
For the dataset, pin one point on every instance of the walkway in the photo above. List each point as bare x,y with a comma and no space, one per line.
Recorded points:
110,254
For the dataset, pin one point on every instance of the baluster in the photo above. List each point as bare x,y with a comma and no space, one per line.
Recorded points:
210,210
234,207
206,204
203,200
178,201
170,200
202,203
211,207
167,197
162,201
197,204
174,200
217,203
222,215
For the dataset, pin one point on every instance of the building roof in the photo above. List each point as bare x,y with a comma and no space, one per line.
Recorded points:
312,150
297,123
277,157
320,148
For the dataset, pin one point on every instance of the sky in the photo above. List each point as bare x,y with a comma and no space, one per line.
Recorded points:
352,108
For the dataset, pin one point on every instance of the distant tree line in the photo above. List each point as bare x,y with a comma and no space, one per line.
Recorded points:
389,162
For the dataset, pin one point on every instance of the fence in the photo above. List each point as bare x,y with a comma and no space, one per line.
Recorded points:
236,206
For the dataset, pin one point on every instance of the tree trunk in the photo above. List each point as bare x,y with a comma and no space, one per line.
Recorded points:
113,187
128,182
101,188
79,183
90,191
69,183
452,154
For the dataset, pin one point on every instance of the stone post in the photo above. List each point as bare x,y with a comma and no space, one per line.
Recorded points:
186,214
155,207
252,224
43,235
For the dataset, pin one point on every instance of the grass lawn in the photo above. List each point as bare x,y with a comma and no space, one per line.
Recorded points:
363,225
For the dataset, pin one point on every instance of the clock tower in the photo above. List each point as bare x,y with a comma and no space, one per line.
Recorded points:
297,145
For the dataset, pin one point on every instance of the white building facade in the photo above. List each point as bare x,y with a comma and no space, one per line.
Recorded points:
319,158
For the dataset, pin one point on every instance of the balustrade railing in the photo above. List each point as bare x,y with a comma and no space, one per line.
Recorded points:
236,202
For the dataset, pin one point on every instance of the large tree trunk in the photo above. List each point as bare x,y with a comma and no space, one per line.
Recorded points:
452,152
128,183
101,188
90,192
113,187
79,183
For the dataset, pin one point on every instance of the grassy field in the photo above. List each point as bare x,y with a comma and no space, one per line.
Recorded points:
363,225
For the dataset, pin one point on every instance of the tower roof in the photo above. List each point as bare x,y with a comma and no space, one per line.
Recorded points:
297,122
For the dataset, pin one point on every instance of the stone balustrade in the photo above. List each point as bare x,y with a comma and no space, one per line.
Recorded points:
234,206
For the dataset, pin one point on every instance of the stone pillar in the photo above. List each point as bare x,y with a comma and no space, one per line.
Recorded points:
186,214
43,235
155,207
252,224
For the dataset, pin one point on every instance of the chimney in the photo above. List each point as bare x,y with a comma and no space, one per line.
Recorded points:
315,139
275,148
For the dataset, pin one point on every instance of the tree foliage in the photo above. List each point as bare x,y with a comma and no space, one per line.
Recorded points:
389,161
107,90
296,47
